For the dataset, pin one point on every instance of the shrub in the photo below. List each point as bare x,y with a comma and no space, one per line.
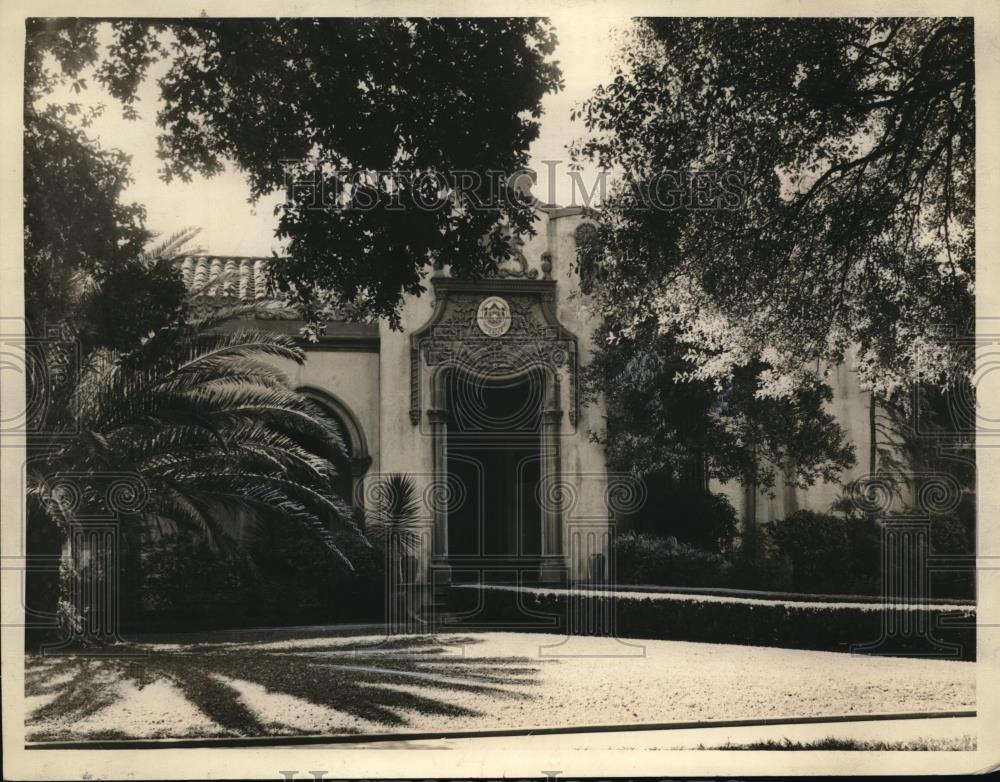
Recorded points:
182,574
835,627
833,554
642,558
285,579
955,533
297,579
694,516
827,553
710,522
755,565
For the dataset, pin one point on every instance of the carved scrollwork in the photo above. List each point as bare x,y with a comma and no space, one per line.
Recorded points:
534,339
523,270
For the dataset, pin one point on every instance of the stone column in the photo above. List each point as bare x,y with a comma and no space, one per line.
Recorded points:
438,421
552,501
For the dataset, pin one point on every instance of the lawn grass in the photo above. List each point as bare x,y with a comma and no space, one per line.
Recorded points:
960,744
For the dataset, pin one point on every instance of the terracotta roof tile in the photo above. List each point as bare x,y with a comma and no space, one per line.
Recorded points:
239,280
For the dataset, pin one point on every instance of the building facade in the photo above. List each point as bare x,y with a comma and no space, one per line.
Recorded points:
477,399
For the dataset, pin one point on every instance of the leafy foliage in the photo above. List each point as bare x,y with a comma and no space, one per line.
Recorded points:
660,418
295,100
181,572
642,558
84,248
395,510
687,512
850,149
926,433
829,554
394,526
833,553
207,423
187,584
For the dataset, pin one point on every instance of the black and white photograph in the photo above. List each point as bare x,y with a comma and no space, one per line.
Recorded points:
550,390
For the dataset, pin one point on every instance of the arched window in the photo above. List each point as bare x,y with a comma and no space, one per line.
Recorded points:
351,472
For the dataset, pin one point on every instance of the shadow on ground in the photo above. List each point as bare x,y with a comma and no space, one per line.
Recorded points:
361,679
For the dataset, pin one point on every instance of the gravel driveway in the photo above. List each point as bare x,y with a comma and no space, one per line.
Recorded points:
494,680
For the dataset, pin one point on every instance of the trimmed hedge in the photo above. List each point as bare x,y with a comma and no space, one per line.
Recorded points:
783,624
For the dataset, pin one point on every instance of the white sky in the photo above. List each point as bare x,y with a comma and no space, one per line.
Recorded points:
219,205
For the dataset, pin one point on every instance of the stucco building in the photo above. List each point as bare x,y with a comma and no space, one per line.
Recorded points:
477,398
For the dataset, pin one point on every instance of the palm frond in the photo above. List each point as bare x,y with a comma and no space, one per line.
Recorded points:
267,308
395,511
208,420
175,245
239,343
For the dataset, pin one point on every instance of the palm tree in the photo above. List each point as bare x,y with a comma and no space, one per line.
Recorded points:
393,522
395,526
206,424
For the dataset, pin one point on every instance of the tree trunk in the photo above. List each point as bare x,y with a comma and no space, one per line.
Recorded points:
67,610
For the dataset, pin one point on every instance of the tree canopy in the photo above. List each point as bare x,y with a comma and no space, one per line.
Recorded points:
792,187
319,107
83,245
657,421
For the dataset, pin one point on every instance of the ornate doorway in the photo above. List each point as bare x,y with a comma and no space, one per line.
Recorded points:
493,461
495,371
